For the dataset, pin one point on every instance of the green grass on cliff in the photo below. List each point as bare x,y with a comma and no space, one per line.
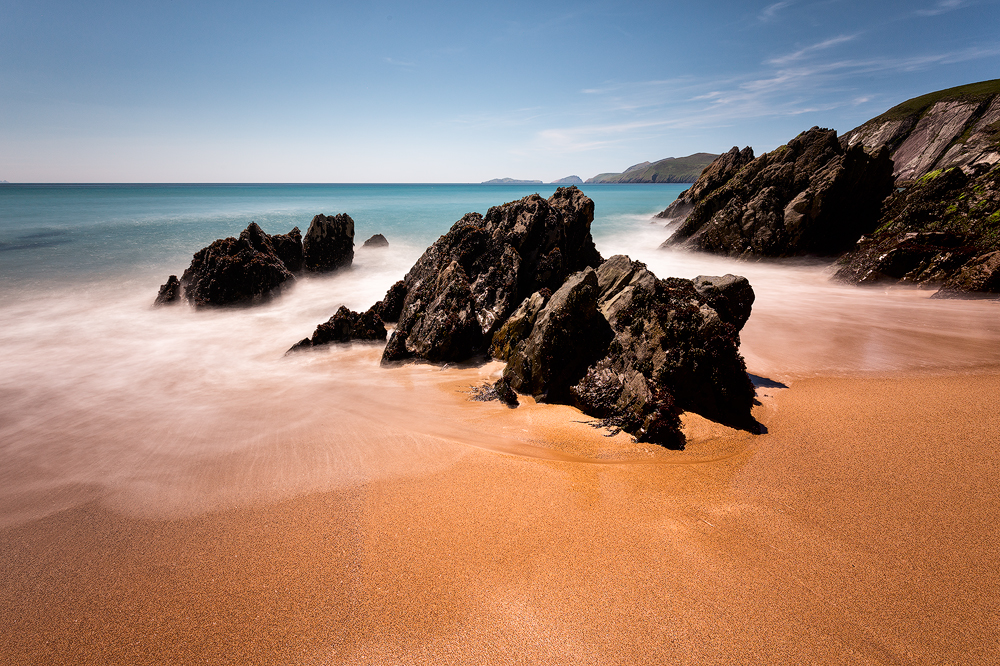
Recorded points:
918,105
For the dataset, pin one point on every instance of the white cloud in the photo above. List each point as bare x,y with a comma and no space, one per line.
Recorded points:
942,7
809,50
769,13
399,63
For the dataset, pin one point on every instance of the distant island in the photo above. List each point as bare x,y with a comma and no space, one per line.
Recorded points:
668,170
568,180
511,181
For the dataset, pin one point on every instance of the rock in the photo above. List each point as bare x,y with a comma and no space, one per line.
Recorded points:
568,336
390,307
949,128
518,325
505,393
329,243
288,247
635,351
345,326
470,280
938,231
235,271
810,196
715,175
731,296
378,240
170,292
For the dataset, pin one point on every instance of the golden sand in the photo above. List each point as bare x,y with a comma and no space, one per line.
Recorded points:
861,529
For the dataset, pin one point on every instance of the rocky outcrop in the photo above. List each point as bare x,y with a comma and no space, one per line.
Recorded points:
235,271
345,326
810,196
170,292
714,176
942,230
635,351
378,240
958,127
329,243
253,268
470,280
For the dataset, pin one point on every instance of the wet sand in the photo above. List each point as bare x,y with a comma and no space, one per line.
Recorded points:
861,528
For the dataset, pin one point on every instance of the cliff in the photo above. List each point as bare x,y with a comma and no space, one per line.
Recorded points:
668,170
957,127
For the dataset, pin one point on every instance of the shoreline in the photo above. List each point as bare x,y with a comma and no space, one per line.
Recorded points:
860,527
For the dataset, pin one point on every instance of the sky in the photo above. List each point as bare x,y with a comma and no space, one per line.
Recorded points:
303,91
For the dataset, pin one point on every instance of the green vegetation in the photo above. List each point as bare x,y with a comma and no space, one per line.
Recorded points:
669,170
918,105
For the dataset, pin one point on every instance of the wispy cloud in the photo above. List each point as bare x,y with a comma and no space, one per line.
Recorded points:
810,50
942,7
399,63
770,12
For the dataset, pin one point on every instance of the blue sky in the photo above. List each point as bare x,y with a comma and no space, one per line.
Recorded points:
212,91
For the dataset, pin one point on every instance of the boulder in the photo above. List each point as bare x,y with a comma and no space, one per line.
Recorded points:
811,196
568,335
378,240
470,280
633,350
344,326
288,247
170,292
235,271
329,243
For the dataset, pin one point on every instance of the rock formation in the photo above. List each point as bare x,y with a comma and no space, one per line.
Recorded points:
233,271
344,326
635,351
810,196
378,240
329,243
934,132
942,230
253,268
469,281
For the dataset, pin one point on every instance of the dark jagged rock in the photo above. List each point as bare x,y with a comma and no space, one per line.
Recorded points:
942,230
654,348
378,240
518,325
235,271
505,393
329,243
469,281
170,291
288,247
810,196
569,335
731,296
344,326
715,175
391,306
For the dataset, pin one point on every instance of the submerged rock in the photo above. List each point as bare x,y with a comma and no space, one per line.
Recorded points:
378,240
329,243
170,292
469,281
345,326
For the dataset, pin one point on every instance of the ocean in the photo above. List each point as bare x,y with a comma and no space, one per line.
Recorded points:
170,411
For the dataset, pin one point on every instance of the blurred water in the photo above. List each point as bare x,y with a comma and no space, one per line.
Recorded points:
168,411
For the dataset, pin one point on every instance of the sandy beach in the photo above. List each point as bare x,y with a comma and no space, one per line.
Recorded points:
861,528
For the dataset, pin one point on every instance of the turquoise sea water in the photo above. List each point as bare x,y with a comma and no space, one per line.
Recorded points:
169,411
49,233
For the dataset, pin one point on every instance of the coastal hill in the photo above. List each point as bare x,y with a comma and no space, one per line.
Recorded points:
936,224
668,170
568,180
954,127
